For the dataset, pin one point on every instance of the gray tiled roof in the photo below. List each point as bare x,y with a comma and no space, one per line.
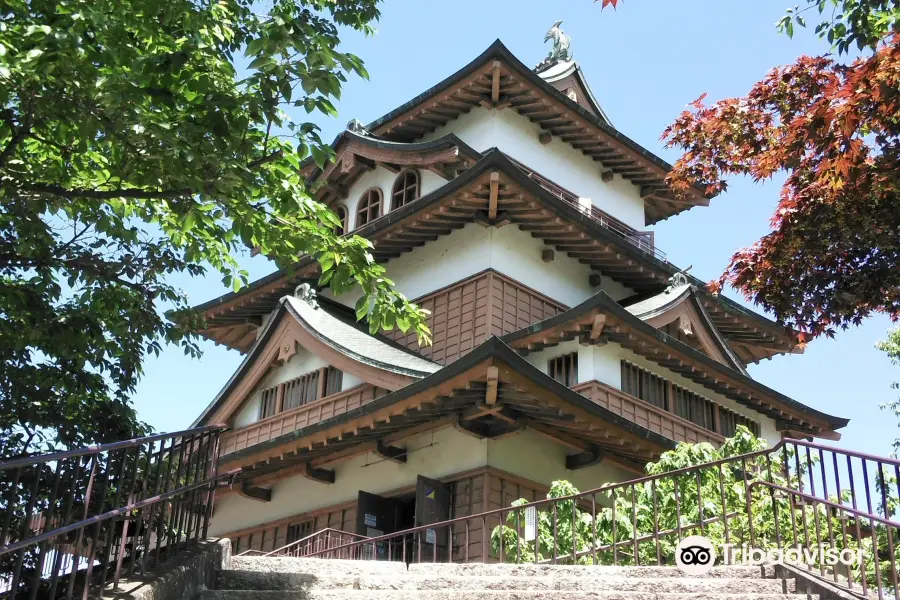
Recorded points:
352,340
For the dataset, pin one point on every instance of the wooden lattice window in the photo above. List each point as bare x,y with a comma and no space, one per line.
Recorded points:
406,189
729,421
645,385
369,207
695,408
334,379
300,391
268,403
341,212
564,369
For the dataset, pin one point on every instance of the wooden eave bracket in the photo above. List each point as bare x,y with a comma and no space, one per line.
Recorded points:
597,326
495,83
317,474
255,493
495,195
493,378
391,453
589,458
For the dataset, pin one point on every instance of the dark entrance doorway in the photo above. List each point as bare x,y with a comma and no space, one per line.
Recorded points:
380,515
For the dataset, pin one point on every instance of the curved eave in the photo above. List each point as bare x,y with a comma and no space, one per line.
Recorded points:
444,155
602,303
617,152
634,267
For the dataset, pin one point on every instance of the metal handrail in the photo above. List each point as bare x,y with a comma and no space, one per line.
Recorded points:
118,512
304,540
97,449
75,516
801,465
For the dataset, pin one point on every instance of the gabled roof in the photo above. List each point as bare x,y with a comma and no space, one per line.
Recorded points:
498,79
621,326
682,304
322,329
525,397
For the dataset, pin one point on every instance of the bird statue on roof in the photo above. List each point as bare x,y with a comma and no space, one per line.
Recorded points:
561,42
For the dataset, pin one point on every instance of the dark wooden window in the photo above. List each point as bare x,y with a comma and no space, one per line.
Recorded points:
334,379
564,369
645,385
369,207
302,390
341,212
406,189
268,403
729,421
298,531
695,408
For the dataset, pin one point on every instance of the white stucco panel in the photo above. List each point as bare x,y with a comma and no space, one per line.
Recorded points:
558,161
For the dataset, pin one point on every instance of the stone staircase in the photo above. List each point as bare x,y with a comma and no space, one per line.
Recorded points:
257,578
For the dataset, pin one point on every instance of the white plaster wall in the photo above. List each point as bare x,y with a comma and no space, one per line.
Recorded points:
534,457
301,363
445,452
517,136
585,358
383,179
452,452
508,250
607,368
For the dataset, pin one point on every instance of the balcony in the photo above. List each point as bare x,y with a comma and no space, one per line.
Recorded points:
302,416
643,240
646,415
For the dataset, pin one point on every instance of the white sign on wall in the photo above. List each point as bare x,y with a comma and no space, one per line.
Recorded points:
530,523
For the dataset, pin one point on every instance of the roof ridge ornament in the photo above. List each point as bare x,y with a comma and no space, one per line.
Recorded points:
560,51
307,293
356,126
679,279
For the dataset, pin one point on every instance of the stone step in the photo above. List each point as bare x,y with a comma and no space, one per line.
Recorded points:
485,595
321,567
531,570
257,580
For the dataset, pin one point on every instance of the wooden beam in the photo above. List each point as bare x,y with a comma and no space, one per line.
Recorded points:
392,453
495,83
495,194
595,280
584,459
255,493
348,162
316,474
597,326
493,377
545,138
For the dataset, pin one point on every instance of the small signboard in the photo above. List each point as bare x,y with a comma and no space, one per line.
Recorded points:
430,536
371,520
530,523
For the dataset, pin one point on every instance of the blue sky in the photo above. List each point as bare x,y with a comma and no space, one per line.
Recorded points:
644,62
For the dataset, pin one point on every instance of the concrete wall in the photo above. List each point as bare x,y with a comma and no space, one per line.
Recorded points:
558,161
508,250
300,364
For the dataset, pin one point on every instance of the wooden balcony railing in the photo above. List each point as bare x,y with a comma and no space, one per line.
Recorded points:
302,416
641,239
646,415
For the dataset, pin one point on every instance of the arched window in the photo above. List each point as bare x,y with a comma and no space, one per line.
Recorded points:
406,189
341,212
369,207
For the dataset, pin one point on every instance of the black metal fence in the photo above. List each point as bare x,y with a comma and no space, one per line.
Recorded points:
75,522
